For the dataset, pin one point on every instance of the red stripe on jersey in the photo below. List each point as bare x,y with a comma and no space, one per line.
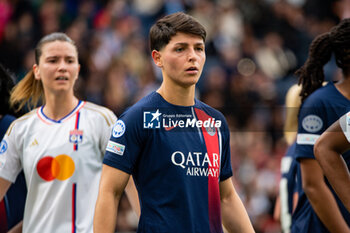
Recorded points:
213,150
78,108
74,195
3,217
75,146
77,120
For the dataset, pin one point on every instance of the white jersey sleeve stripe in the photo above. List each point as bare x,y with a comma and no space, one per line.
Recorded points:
307,139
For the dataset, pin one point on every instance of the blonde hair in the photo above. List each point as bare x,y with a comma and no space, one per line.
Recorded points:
30,90
293,102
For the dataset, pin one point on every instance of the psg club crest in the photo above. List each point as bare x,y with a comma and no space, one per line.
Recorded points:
210,130
76,136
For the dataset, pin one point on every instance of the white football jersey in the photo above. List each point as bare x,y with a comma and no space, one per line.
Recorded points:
344,122
62,163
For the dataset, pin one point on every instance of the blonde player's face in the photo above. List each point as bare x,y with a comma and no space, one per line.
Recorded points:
58,67
181,60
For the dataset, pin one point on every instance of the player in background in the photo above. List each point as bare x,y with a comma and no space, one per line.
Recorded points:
12,206
334,142
288,195
318,208
183,174
59,146
328,150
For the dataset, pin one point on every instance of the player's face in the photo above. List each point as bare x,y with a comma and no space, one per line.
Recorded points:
58,67
181,60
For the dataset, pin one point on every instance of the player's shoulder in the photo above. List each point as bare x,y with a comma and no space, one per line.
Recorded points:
98,111
97,108
318,101
218,118
148,101
209,110
321,96
26,117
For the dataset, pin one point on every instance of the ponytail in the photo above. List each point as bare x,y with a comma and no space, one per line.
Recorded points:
28,91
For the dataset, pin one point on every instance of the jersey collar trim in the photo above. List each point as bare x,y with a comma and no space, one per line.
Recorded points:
49,121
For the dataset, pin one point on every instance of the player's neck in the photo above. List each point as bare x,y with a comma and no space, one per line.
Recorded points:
58,107
343,87
177,95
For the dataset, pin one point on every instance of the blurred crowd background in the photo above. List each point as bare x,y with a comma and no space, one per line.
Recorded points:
253,49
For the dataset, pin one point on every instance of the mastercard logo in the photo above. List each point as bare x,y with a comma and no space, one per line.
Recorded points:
60,167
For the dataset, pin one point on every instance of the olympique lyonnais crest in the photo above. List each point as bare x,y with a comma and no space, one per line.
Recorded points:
76,136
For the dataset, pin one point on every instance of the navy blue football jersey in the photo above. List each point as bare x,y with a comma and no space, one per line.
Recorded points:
320,110
289,168
177,156
12,206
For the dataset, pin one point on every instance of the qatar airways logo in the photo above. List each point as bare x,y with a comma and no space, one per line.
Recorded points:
197,163
156,120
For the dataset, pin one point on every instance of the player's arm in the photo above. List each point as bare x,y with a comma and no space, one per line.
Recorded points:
17,228
133,197
112,184
4,186
321,197
234,215
328,150
277,209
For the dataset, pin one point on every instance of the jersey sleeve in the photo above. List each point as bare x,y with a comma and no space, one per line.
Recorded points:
106,129
10,164
226,168
344,122
125,143
311,124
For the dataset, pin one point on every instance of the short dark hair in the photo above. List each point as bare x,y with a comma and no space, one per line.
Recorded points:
167,27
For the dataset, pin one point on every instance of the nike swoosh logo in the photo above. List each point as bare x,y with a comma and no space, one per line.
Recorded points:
169,128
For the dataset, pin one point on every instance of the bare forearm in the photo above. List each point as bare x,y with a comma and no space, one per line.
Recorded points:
133,197
337,173
326,208
105,218
112,184
234,215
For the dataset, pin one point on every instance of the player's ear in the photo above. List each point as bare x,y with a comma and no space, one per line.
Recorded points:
36,72
156,58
